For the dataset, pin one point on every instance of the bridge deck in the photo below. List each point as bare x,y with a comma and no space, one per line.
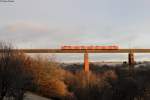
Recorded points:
81,51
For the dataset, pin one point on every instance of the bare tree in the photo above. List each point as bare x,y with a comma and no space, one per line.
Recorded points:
14,75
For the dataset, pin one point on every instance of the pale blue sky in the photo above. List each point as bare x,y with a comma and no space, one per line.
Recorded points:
52,23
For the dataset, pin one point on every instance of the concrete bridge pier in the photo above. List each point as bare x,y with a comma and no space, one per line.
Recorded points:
131,62
131,58
86,63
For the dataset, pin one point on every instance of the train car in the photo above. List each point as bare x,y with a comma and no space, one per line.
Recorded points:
113,47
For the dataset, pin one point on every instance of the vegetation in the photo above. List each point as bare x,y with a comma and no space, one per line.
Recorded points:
15,78
20,73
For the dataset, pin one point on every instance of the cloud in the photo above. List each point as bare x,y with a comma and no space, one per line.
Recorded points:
40,35
27,33
47,35
26,26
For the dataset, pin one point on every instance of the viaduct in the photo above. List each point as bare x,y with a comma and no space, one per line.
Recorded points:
130,53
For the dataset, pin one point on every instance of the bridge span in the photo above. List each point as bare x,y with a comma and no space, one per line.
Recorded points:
130,53
81,51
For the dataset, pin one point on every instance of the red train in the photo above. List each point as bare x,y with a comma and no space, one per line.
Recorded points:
113,47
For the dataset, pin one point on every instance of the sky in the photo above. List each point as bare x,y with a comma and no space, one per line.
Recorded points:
53,23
